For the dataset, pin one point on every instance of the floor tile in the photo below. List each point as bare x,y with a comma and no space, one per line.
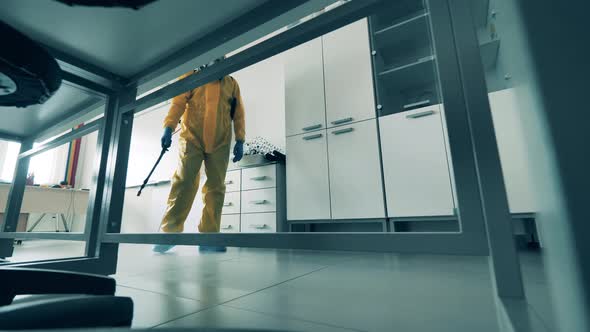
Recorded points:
383,298
225,317
152,309
215,282
35,250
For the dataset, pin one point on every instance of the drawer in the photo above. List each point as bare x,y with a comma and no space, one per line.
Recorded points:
259,223
259,177
261,200
230,223
231,203
233,180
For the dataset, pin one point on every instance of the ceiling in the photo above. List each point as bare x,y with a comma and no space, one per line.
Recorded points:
121,40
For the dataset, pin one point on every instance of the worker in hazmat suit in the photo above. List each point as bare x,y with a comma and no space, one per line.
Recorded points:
206,114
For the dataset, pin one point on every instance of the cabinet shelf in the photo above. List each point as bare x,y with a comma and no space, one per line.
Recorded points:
414,74
415,28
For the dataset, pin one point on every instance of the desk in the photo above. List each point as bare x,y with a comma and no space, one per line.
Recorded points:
48,200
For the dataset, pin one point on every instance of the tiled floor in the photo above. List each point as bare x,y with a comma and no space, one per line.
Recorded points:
314,290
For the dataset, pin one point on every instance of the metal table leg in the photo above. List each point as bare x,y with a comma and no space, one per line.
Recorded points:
36,223
63,221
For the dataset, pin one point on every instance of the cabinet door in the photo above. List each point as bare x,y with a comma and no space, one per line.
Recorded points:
513,151
304,88
416,172
230,223
308,189
356,188
348,75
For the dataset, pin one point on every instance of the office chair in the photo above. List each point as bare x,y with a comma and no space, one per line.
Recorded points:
47,299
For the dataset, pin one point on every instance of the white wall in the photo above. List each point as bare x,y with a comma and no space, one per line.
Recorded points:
145,148
263,92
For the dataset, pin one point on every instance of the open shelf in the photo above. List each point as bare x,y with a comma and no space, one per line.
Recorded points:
410,75
410,30
393,12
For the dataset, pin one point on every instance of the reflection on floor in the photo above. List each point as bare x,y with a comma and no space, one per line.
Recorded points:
317,291
35,250
308,290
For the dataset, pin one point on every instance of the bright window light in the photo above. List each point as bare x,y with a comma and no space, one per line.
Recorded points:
9,164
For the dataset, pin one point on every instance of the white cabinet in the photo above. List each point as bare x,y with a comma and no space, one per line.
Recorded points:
308,188
356,189
304,88
513,151
348,75
259,223
232,180
261,200
231,204
259,177
230,223
416,172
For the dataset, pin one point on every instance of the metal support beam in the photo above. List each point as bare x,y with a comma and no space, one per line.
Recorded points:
15,198
461,146
504,257
428,243
63,139
67,60
85,84
316,27
115,143
107,146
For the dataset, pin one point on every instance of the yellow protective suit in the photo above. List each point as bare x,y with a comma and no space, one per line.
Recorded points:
205,137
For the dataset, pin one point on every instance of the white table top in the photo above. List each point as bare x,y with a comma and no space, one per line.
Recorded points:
48,200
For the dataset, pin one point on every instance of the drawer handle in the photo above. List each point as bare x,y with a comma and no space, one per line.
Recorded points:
258,178
342,131
318,126
420,114
228,204
310,137
259,202
258,226
229,182
341,121
417,104
226,227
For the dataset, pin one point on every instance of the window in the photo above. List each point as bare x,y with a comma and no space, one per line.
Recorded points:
8,157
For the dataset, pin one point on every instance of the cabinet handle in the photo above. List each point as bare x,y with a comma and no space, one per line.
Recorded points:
258,178
229,182
318,126
419,114
310,137
259,202
342,131
258,226
417,104
341,121
226,227
228,204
